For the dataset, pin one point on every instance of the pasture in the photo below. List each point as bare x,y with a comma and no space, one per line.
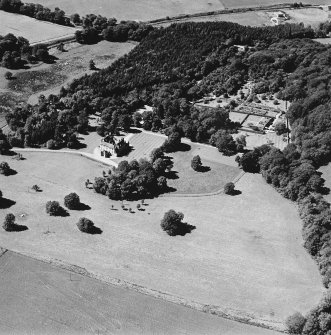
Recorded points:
34,30
244,258
69,303
141,10
144,10
49,78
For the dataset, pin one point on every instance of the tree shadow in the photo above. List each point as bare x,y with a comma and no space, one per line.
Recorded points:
171,175
169,190
236,192
6,203
135,131
90,129
184,229
79,145
324,190
83,207
11,172
18,228
184,147
95,231
62,212
204,169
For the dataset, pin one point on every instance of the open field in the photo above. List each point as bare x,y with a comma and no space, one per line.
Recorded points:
34,30
142,10
244,256
38,298
149,10
252,3
258,18
49,78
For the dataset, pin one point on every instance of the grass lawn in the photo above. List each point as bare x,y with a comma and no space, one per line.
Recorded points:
142,144
183,178
245,254
188,181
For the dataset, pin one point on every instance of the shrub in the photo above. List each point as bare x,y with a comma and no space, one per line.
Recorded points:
85,225
4,168
8,75
53,208
229,188
72,201
9,223
196,163
51,144
295,323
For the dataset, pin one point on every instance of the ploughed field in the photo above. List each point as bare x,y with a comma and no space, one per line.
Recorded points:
34,30
38,298
245,255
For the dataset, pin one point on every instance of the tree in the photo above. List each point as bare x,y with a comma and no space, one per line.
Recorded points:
4,168
9,223
196,163
295,323
72,201
53,208
241,143
156,153
92,65
8,75
280,128
226,144
75,18
250,161
229,188
4,144
162,183
85,225
172,222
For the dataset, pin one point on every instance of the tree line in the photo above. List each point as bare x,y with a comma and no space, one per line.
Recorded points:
16,52
35,11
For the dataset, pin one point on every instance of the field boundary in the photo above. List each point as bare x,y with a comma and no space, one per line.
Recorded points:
234,315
